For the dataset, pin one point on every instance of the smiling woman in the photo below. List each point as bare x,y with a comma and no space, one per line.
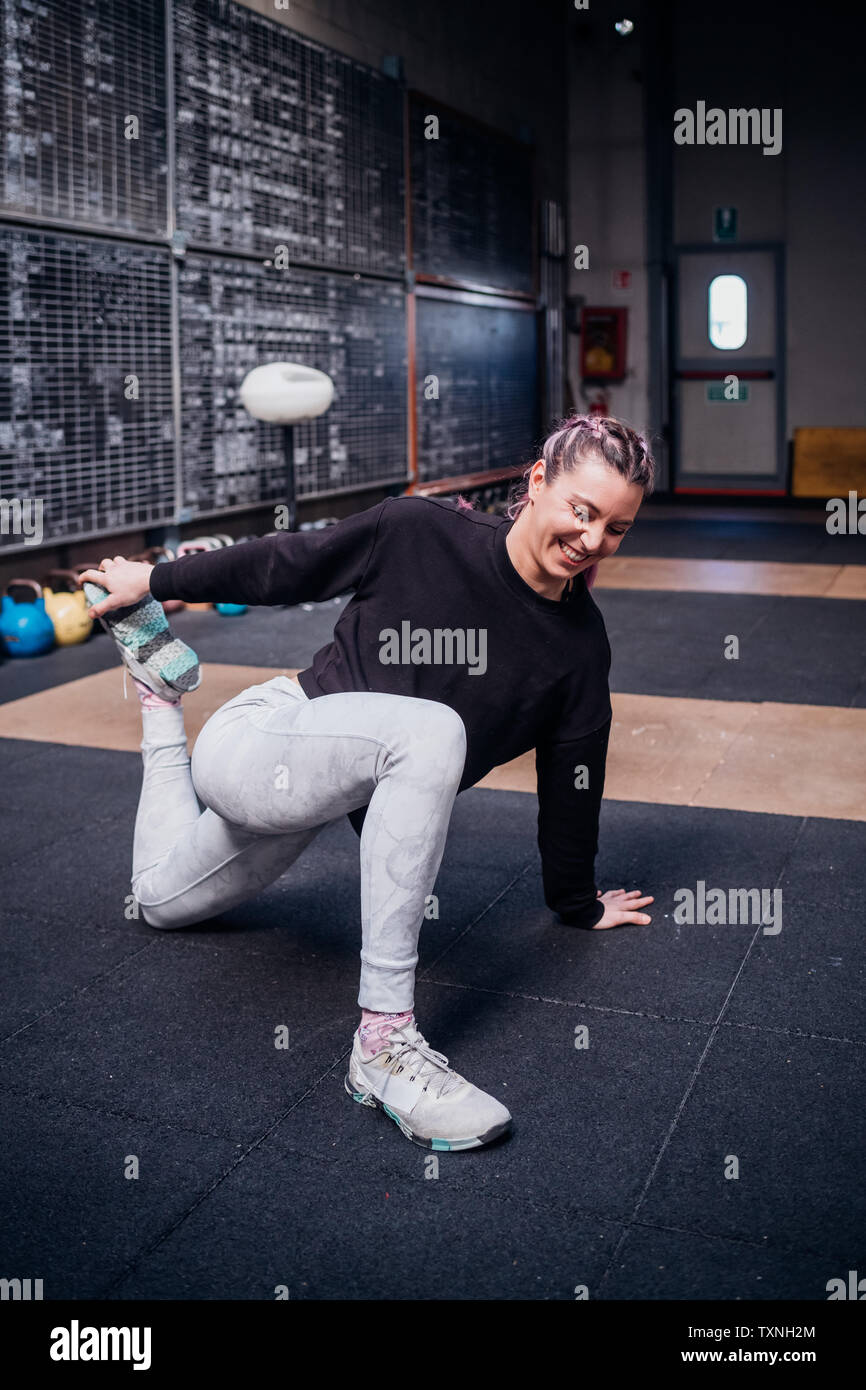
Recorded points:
577,501
469,641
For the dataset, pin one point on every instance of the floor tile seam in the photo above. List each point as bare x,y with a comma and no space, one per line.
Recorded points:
64,836
768,1243
66,1103
217,1182
684,1099
422,975
571,1003
579,1212
156,1121
81,989
521,996
793,1033
555,1207
102,932
47,918
754,712
181,938
697,1070
573,1212
150,1247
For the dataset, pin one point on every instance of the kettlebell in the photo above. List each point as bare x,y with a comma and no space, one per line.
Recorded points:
228,610
194,547
26,628
204,543
67,608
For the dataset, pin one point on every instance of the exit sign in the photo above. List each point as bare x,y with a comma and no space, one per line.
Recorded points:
725,224
716,391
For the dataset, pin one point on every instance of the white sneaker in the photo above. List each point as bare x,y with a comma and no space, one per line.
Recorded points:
432,1104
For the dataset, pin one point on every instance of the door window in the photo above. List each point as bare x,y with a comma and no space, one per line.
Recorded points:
728,311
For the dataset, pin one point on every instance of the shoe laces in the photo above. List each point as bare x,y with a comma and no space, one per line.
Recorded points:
432,1063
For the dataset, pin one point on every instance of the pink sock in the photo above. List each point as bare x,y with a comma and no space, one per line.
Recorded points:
149,698
375,1029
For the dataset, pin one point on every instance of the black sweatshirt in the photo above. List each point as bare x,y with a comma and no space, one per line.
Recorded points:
440,612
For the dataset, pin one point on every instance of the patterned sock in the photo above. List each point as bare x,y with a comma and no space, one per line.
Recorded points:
149,698
375,1029
142,630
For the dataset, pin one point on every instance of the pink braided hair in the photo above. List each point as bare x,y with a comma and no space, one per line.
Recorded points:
619,445
591,423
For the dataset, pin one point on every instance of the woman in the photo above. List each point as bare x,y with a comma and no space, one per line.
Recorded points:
469,640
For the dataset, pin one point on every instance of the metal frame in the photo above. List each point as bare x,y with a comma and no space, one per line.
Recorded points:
456,290
175,244
456,282
658,191
174,276
485,301
732,483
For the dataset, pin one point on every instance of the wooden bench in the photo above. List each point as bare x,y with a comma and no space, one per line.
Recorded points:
829,462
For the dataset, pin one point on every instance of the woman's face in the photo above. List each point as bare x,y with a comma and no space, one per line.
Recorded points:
581,517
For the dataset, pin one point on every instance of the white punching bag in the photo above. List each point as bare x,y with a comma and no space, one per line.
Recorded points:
282,393
285,392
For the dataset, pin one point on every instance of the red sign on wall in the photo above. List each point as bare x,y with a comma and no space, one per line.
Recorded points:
602,343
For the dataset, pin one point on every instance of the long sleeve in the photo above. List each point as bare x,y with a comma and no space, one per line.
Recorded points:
293,567
569,805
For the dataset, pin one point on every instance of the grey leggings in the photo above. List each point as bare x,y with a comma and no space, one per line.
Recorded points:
272,769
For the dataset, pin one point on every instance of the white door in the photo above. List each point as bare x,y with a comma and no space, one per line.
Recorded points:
728,434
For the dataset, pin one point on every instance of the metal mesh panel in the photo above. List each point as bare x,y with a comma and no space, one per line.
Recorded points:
281,141
236,315
72,74
471,201
484,360
80,317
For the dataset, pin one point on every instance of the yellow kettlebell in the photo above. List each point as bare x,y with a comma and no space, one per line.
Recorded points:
67,608
200,545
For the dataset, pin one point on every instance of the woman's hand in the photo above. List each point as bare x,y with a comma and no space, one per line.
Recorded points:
127,582
620,907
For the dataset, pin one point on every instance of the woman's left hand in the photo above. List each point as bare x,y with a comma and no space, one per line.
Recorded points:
127,582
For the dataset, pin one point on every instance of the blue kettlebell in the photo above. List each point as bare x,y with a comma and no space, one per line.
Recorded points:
26,628
230,610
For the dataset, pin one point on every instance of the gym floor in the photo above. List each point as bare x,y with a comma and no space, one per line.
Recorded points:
706,1043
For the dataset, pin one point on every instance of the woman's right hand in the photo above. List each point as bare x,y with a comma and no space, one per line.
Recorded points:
127,582
620,907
